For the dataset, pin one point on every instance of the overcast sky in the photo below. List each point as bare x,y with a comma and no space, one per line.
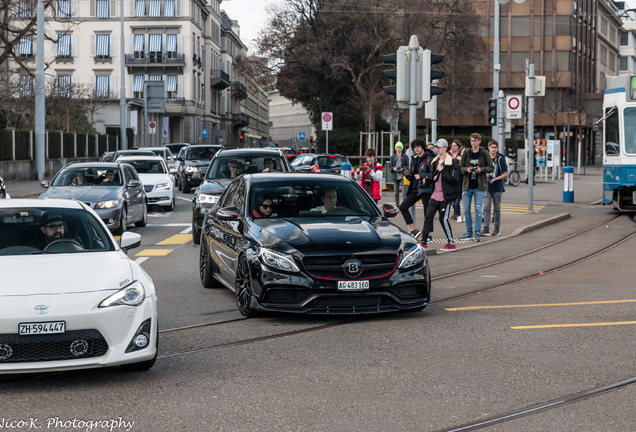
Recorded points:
251,17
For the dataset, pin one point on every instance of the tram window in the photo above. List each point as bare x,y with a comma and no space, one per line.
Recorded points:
611,134
630,130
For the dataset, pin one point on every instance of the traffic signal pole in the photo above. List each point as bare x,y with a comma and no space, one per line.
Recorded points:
414,47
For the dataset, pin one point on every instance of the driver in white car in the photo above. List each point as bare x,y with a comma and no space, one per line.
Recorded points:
52,227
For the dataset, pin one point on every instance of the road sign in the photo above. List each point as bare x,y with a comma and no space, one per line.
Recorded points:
152,127
204,133
327,121
301,136
513,107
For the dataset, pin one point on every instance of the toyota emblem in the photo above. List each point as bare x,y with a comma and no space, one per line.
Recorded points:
41,309
352,268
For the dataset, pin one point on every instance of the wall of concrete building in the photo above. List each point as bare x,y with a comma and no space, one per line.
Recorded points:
287,121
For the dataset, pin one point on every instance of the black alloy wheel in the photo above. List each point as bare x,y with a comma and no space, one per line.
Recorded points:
206,269
243,288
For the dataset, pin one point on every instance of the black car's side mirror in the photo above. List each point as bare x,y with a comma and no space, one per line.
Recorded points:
228,213
389,210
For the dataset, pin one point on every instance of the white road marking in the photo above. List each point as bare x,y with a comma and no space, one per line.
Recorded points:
141,260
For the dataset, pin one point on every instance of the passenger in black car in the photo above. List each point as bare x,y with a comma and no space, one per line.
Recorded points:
263,208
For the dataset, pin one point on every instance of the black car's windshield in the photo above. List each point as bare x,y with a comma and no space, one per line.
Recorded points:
311,198
87,176
36,230
226,167
199,153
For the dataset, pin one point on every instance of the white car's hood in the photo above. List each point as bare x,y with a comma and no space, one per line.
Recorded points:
154,179
63,273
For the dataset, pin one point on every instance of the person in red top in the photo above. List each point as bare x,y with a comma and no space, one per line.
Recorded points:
370,174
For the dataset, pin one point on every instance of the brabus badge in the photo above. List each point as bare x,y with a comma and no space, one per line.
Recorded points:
41,309
352,268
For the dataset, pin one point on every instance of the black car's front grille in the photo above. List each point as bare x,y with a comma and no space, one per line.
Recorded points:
331,266
71,345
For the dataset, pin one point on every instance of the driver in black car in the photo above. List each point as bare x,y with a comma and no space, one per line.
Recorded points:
52,227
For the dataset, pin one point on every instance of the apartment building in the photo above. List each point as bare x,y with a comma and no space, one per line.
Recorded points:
191,46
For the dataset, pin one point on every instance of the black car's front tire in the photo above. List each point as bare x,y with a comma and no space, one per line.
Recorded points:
206,268
243,288
196,232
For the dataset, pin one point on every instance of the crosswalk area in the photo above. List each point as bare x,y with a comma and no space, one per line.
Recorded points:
510,208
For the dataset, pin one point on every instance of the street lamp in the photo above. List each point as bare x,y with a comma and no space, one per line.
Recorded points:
122,90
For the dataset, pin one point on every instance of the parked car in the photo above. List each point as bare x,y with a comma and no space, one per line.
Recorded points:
165,153
325,163
219,175
3,190
156,178
325,248
194,164
71,298
137,152
118,198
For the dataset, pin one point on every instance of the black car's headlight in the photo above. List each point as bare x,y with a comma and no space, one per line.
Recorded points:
208,199
278,260
412,256
191,169
131,295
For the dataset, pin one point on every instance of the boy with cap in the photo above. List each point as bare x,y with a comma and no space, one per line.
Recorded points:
445,183
398,161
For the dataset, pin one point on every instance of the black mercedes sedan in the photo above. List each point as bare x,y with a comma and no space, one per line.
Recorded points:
310,243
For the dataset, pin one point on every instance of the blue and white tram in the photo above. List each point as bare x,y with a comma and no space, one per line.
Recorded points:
619,143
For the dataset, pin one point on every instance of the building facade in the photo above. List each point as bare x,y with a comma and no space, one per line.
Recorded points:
288,121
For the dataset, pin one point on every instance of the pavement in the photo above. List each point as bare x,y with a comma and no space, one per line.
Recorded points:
518,216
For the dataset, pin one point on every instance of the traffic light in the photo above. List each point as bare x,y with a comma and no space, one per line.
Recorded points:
311,140
429,75
492,112
400,75
241,139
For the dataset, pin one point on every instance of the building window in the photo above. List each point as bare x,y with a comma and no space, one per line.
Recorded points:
155,77
102,9
25,86
155,8
603,57
139,46
171,86
171,45
64,86
624,38
64,8
25,47
138,86
169,8
64,46
140,8
102,46
154,48
26,9
102,86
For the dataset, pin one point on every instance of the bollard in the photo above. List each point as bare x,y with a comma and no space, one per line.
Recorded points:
345,170
568,184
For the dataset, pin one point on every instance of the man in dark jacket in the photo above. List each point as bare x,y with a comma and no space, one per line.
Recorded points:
417,190
445,185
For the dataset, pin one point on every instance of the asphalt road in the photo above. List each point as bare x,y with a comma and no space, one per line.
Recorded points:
486,347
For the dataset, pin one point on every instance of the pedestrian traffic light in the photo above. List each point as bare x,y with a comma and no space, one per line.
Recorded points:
492,112
428,75
400,75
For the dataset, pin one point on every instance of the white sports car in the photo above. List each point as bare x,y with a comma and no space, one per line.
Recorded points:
70,298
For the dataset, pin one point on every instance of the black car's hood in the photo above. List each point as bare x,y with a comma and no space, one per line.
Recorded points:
214,187
333,232
83,193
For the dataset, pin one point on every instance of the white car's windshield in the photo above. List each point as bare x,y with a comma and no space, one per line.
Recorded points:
36,230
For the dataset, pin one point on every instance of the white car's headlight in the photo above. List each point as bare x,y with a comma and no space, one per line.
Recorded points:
191,169
412,256
163,186
131,295
107,204
209,199
278,260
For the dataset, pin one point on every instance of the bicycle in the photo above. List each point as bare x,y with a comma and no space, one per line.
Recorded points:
514,178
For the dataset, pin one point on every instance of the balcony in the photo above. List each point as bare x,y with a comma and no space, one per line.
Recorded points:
219,79
239,90
240,120
155,59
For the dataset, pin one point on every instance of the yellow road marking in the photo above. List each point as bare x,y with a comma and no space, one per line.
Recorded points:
176,239
574,325
541,305
154,252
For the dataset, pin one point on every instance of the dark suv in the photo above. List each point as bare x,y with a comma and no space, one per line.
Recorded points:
325,163
194,164
224,168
